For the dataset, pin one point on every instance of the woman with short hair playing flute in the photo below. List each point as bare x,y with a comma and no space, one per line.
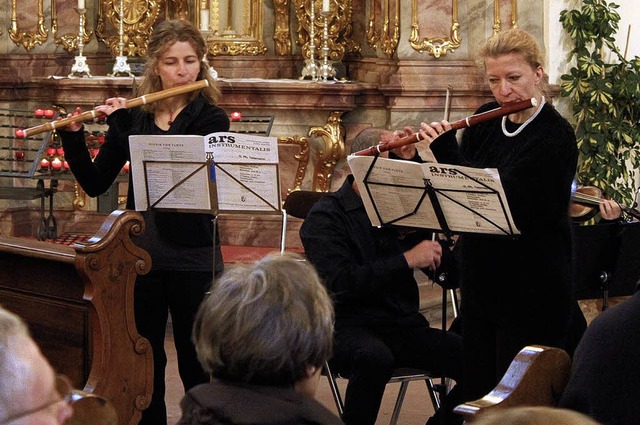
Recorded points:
180,244
516,292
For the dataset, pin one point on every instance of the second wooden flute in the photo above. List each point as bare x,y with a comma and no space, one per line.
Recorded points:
131,103
506,109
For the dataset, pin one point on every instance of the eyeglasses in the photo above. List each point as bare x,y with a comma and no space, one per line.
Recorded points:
64,390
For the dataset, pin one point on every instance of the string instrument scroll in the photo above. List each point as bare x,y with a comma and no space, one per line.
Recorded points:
506,109
131,103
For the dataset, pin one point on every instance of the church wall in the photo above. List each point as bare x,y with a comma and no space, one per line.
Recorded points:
381,84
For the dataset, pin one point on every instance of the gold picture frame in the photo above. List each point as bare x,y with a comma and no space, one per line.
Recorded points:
27,39
437,46
234,27
497,17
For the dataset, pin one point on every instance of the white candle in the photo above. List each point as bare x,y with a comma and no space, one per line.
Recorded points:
325,5
80,4
204,19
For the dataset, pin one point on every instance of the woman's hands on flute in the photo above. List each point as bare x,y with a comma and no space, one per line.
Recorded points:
73,126
112,104
429,132
405,152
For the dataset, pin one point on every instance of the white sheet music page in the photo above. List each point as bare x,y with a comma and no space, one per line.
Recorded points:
169,173
394,189
472,200
246,171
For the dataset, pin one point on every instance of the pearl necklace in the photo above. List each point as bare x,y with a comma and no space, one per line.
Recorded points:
524,124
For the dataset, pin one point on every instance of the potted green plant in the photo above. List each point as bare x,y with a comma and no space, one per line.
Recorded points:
604,92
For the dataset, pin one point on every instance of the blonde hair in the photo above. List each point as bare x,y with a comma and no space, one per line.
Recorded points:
530,415
516,41
265,323
164,35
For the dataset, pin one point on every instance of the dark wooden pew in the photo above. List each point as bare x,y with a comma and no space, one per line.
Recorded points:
78,302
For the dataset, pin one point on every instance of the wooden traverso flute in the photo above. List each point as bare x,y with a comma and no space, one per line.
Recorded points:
506,109
131,103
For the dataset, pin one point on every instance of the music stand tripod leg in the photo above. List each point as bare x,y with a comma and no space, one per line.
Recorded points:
604,277
215,230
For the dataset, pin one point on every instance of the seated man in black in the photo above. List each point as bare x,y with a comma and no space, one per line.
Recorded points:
369,272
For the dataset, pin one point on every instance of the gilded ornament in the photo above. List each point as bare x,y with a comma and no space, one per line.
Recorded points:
338,26
302,157
497,20
27,39
282,35
138,18
387,38
438,46
332,134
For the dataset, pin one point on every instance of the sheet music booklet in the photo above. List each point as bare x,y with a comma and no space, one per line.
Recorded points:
439,197
219,172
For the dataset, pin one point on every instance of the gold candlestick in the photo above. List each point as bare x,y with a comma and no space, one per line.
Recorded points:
80,67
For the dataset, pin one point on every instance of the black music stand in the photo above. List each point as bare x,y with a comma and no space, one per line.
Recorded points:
460,199
605,260
626,277
201,180
433,195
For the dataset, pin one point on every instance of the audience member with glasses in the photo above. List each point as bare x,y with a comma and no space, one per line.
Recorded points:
30,392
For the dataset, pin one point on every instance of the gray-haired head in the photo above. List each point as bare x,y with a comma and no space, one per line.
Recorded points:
265,323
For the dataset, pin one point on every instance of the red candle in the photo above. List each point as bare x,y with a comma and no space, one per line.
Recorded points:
56,164
39,113
101,139
20,155
66,165
125,168
19,133
60,151
51,151
44,163
236,116
48,113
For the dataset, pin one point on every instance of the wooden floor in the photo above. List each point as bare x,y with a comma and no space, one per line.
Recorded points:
417,407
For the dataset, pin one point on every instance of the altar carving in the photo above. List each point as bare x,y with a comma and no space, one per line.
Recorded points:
383,30
436,46
231,27
332,134
177,9
301,158
282,33
138,17
339,27
28,39
497,15
69,40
